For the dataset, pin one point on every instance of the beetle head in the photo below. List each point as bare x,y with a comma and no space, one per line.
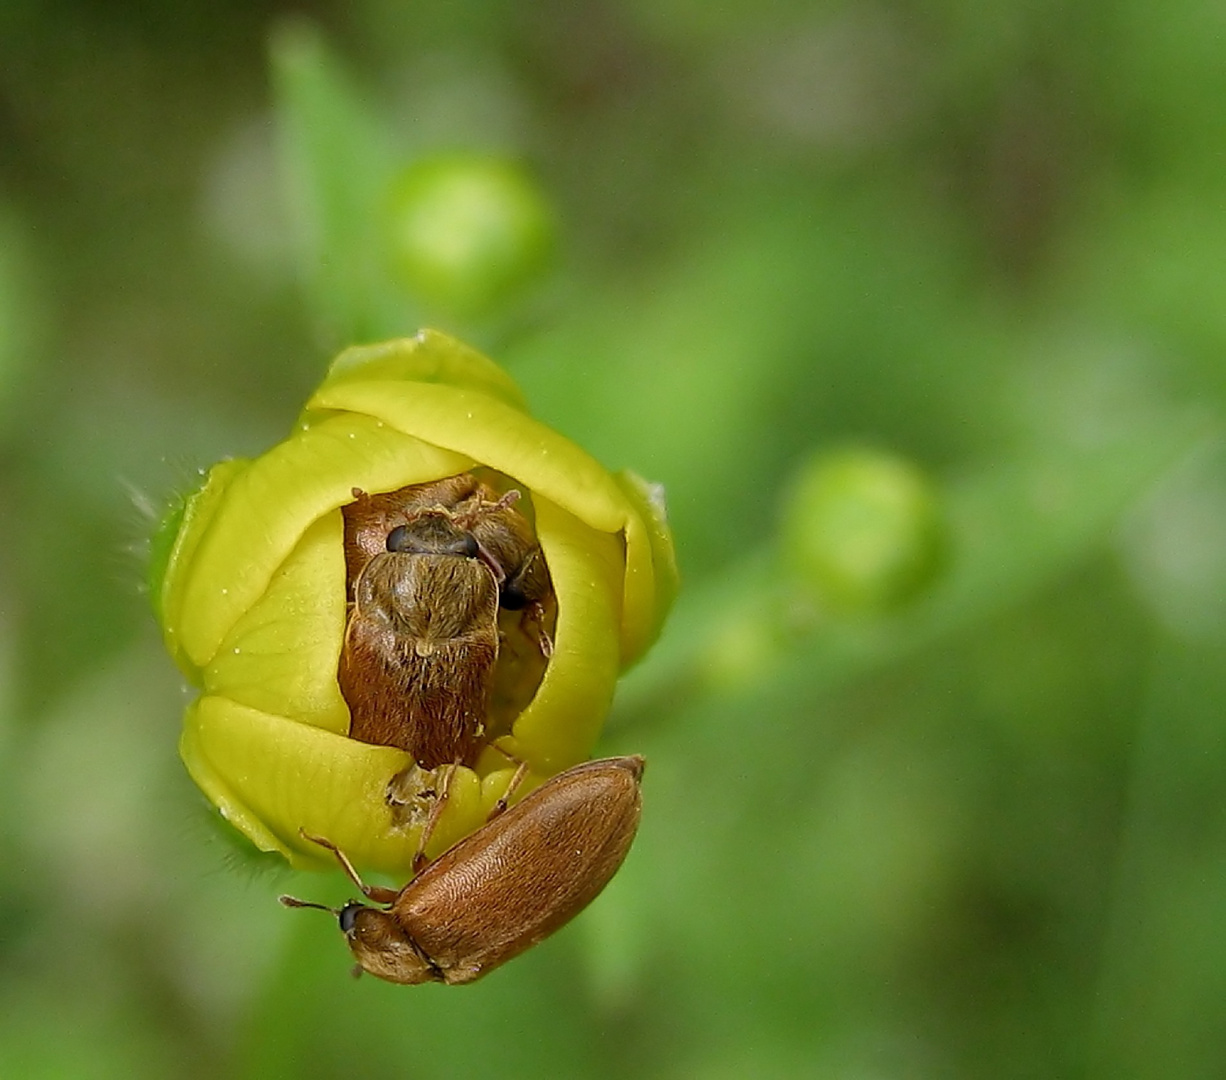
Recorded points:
433,532
382,947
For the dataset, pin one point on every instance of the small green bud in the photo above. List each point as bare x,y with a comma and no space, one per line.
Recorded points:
862,531
468,232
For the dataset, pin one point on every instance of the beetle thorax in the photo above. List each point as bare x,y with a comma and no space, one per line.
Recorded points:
432,597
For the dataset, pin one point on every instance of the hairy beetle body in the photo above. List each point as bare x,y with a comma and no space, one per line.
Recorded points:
429,566
419,653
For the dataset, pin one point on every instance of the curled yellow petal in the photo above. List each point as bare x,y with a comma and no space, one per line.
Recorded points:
192,519
282,653
429,357
270,504
275,779
651,566
587,570
484,429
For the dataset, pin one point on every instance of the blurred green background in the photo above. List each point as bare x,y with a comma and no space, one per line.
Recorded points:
974,830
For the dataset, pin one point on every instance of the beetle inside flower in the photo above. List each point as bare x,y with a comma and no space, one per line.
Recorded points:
253,590
451,611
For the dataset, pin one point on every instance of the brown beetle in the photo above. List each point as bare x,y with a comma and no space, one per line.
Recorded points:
502,889
429,566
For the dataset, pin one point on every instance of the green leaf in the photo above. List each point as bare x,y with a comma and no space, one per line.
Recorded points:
338,166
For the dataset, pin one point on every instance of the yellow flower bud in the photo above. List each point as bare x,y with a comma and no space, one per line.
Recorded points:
249,584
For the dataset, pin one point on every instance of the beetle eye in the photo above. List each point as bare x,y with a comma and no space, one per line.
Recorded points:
512,598
349,915
471,548
398,538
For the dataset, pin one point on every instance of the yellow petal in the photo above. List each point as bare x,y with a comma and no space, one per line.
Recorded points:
273,777
494,785
270,504
651,566
428,357
198,511
282,654
560,726
483,429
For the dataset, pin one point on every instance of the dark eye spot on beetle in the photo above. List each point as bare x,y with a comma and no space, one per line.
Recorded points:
348,916
433,534
512,598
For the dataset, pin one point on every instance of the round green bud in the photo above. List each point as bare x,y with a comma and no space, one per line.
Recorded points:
862,531
466,232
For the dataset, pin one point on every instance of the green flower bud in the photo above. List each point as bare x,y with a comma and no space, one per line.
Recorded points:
466,232
862,531
249,584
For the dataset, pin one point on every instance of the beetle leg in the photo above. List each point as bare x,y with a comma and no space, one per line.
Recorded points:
521,772
377,893
444,773
533,623
490,563
522,769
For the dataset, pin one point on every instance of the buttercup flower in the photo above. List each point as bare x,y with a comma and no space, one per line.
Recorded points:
249,584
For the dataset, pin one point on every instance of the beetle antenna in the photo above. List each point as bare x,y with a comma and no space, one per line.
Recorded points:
487,559
293,901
